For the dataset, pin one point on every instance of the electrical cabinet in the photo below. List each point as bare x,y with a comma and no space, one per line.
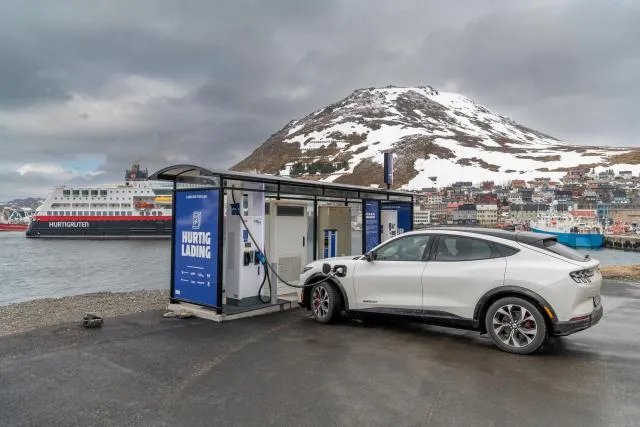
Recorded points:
286,240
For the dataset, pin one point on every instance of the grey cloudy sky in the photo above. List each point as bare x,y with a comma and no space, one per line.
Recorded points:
86,89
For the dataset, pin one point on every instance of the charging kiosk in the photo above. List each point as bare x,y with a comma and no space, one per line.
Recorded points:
222,220
396,217
389,224
334,223
286,226
243,271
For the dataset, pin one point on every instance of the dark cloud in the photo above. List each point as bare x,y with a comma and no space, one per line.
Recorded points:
208,81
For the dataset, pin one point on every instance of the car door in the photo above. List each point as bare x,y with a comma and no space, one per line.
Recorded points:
460,270
392,281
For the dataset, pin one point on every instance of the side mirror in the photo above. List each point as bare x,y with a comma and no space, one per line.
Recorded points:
369,256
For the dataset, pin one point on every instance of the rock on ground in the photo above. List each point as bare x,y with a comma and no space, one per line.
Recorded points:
25,316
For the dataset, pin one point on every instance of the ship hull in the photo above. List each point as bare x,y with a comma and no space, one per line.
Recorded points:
575,240
13,227
103,228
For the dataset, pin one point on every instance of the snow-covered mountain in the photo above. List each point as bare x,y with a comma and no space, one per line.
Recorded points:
438,138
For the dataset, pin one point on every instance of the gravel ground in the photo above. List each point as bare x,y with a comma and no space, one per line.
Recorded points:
25,316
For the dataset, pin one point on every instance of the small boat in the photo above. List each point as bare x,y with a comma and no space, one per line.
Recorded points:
14,220
576,229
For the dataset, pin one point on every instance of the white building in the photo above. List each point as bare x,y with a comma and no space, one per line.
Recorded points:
434,198
515,198
421,218
487,214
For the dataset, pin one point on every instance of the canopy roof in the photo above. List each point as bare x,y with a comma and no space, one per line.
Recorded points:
278,184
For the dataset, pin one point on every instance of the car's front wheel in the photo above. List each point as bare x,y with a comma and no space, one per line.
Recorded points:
516,325
326,302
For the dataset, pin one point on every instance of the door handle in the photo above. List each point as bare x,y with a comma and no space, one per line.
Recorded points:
303,241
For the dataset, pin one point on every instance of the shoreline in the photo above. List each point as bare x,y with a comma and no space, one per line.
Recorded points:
38,313
629,272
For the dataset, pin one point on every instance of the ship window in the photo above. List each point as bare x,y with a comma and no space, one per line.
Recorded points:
85,192
129,213
73,213
103,192
105,213
66,193
87,213
94,192
75,193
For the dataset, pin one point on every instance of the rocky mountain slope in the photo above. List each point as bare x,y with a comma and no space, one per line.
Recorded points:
438,138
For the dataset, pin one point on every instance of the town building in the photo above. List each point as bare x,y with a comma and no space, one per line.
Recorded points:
421,218
487,215
466,214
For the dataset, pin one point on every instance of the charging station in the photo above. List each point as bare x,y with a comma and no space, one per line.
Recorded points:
334,224
235,236
389,224
243,271
286,243
397,218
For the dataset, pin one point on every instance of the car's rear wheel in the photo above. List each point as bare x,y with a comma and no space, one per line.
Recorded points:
326,302
516,325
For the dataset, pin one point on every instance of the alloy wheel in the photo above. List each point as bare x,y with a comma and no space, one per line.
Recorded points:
514,325
320,302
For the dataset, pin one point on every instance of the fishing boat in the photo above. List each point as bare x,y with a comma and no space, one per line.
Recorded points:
133,208
577,228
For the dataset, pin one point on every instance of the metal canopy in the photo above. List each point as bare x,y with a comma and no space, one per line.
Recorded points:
280,185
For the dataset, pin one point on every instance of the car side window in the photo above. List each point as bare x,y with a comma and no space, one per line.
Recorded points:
409,248
457,248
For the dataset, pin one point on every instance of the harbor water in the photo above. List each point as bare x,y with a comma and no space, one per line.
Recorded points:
40,268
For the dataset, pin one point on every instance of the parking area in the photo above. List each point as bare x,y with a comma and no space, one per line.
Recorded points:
285,369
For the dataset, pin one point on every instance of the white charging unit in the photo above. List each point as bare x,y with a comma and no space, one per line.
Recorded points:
287,224
389,219
243,270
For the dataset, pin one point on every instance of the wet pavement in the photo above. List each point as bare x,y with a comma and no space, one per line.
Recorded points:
285,369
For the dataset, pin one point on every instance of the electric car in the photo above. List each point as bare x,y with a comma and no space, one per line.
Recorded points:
519,287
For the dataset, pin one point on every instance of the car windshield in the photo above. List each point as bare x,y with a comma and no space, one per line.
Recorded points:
552,245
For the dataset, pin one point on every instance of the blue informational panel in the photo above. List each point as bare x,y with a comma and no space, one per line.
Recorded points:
405,213
195,252
371,229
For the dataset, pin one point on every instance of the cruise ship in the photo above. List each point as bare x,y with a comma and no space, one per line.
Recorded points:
133,208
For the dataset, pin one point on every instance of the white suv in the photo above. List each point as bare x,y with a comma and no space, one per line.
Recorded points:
520,287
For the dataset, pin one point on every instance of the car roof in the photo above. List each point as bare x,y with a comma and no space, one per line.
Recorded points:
516,236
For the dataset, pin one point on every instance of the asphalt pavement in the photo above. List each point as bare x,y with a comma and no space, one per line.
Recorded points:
285,369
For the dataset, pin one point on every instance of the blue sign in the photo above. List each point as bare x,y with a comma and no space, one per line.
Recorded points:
330,244
405,222
195,240
371,224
